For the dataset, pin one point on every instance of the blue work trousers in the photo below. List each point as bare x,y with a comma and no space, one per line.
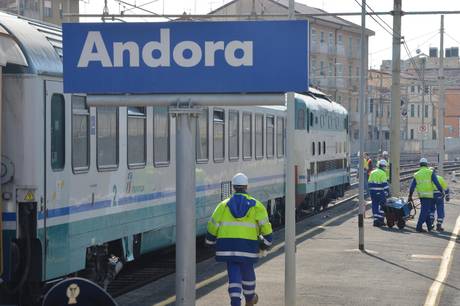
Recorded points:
438,207
427,206
378,199
241,279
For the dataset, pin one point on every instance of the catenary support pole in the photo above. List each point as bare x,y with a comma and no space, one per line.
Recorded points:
362,129
185,207
395,136
441,112
290,246
425,130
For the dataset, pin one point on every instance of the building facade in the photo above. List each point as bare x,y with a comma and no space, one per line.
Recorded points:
45,10
335,52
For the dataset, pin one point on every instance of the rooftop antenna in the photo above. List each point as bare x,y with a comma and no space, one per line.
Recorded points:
105,11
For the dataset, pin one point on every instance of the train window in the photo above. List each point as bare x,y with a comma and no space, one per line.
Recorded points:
233,135
311,119
80,134
313,148
218,133
300,119
57,132
280,136
319,148
136,137
202,137
107,138
324,147
247,136
161,124
270,136
259,136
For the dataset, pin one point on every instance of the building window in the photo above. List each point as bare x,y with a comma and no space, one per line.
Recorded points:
313,37
350,46
319,148
161,136
270,131
324,147
350,72
340,40
321,68
107,138
426,111
47,8
202,137
136,137
80,134
371,105
280,136
57,132
412,110
412,89
411,133
314,69
218,134
233,135
331,69
259,136
321,37
311,119
313,148
434,134
418,111
247,136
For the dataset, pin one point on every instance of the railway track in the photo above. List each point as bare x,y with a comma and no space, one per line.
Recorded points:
154,266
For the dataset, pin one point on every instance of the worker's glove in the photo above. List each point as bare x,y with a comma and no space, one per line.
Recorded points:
262,245
447,197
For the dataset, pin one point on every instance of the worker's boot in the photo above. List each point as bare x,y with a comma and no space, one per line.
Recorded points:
439,227
254,301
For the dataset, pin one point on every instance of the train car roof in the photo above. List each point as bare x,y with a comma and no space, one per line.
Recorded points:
40,44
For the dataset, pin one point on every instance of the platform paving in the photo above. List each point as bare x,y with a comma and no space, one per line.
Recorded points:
398,268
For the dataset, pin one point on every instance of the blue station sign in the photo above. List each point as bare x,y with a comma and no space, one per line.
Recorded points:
186,57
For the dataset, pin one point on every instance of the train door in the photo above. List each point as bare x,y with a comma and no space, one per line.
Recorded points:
56,163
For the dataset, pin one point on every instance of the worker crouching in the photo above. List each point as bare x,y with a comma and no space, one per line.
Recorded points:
438,206
379,190
234,229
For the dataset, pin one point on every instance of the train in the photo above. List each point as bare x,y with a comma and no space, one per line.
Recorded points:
86,189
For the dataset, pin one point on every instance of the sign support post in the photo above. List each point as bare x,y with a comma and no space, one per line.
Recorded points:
185,206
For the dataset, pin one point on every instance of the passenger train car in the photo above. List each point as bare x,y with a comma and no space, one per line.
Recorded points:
80,184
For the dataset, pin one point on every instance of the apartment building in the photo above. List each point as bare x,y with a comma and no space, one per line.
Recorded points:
335,50
46,10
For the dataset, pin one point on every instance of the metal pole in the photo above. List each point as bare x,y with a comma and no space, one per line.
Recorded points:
185,208
423,105
395,137
362,129
290,246
381,112
441,139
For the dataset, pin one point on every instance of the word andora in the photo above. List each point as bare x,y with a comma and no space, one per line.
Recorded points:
158,53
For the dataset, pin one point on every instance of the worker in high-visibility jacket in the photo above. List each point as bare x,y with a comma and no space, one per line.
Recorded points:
386,157
379,190
238,228
439,202
425,182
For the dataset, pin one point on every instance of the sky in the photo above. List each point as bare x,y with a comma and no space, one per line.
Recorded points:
420,32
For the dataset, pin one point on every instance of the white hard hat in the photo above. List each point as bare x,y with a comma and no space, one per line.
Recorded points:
382,163
423,160
384,153
240,179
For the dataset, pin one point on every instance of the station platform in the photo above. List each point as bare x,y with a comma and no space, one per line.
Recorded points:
400,267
